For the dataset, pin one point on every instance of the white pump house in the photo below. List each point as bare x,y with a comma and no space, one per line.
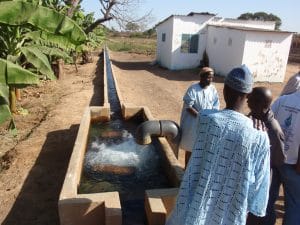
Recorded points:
182,40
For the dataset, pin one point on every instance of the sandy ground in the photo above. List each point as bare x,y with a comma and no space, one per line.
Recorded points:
34,167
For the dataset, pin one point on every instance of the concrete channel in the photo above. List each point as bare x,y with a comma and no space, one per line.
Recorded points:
104,208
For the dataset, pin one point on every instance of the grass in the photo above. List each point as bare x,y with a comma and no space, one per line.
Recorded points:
145,46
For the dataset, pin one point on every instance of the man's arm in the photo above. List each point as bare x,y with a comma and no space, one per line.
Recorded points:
192,111
189,99
259,189
276,137
216,103
298,162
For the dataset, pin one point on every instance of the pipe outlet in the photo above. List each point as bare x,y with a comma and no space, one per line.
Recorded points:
158,128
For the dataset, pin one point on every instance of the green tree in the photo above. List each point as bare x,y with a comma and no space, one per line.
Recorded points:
150,32
132,27
263,16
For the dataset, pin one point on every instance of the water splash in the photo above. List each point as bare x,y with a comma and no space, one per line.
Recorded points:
122,151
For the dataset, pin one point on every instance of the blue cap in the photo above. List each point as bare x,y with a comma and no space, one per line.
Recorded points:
240,79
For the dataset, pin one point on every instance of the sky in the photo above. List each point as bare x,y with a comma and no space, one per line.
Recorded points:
287,10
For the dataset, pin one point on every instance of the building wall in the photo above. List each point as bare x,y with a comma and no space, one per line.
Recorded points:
225,49
164,49
188,25
266,54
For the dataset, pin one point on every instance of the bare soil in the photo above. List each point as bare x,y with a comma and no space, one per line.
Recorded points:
34,163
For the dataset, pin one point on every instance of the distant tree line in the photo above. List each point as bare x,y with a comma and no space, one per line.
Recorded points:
262,16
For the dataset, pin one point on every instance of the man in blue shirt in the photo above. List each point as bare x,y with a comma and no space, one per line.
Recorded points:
229,171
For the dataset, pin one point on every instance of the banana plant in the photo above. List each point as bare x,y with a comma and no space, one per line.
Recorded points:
20,24
12,76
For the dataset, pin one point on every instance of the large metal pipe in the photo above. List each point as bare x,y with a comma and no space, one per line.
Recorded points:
159,128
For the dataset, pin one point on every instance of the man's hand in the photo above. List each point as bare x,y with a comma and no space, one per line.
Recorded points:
192,111
258,124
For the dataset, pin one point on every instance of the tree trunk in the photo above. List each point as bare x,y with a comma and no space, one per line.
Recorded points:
73,6
61,72
18,94
96,23
74,55
87,57
12,100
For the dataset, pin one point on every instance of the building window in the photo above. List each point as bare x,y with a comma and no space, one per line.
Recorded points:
189,43
268,43
215,40
163,37
229,41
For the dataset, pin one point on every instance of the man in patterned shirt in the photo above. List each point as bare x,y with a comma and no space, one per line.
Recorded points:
228,175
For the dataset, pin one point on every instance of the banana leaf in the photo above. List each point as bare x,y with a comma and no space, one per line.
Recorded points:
13,74
20,13
4,111
39,60
4,92
55,52
45,38
3,71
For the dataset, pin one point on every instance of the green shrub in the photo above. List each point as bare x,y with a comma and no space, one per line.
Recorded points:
133,45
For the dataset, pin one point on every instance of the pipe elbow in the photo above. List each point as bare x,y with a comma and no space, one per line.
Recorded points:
170,129
160,128
145,130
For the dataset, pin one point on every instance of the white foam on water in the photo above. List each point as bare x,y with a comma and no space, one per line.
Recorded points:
125,152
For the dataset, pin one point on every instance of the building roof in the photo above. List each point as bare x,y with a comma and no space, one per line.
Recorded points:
251,21
201,13
164,20
190,14
250,29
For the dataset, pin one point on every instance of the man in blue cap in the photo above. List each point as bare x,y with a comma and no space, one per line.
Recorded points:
229,170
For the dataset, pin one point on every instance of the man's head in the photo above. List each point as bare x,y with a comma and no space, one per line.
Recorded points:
206,76
237,85
259,101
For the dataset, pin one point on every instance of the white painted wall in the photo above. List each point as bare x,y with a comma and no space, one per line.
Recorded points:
266,62
188,25
222,56
164,49
266,54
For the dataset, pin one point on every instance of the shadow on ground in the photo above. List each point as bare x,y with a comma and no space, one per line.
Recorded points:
38,198
178,75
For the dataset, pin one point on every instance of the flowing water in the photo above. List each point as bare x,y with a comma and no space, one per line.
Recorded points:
113,98
114,162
